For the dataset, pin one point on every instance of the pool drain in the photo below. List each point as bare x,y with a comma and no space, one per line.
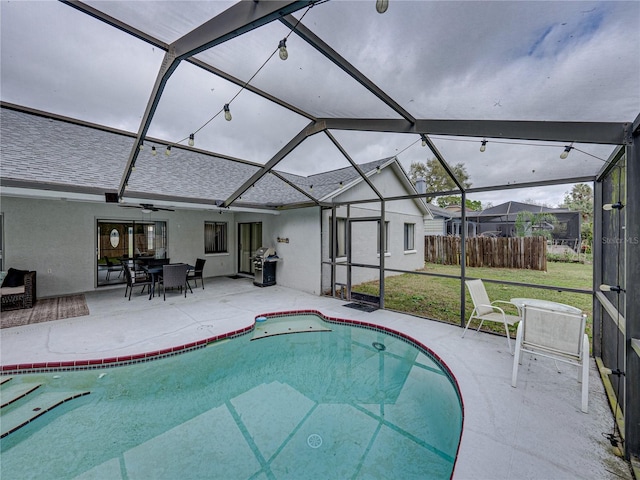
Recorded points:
314,440
379,346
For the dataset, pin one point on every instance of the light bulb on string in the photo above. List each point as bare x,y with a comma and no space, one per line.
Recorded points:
483,146
382,5
611,288
613,206
282,46
141,146
566,151
192,140
167,152
424,140
153,151
227,112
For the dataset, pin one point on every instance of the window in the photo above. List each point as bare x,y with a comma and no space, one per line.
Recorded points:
409,236
215,237
342,237
386,237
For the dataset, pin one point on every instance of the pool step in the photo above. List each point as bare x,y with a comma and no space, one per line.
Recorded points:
14,392
33,406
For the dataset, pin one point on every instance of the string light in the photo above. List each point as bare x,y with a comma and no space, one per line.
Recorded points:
283,55
282,46
141,146
613,206
167,152
382,5
566,151
192,140
611,288
424,140
154,151
483,146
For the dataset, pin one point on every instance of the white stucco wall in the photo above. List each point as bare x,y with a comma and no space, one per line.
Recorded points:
299,263
57,238
365,240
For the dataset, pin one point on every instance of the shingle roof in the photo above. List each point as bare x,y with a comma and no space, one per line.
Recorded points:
38,148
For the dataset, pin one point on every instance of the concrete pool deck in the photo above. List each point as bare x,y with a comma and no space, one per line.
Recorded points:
534,431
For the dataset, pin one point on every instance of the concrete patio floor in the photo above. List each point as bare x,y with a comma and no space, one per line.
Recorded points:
534,431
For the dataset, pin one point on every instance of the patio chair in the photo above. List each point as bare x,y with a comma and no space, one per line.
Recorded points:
135,281
485,310
174,276
112,267
197,272
557,335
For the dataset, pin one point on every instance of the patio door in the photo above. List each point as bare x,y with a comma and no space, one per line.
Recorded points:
364,255
119,241
249,240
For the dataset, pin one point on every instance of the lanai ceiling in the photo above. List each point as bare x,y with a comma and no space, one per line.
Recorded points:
530,78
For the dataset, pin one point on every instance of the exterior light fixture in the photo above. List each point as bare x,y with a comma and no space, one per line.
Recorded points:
424,140
283,49
483,146
192,140
566,151
227,113
167,152
382,5
154,151
611,288
613,206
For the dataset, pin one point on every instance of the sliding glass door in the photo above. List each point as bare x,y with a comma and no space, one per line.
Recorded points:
249,240
119,242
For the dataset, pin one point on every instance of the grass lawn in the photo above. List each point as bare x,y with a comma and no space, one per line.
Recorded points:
439,298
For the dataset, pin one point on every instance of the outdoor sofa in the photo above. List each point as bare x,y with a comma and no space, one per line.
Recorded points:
18,289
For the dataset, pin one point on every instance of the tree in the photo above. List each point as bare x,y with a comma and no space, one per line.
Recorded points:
444,202
580,199
530,224
436,176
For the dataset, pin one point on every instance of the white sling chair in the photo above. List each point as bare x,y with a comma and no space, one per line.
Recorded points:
485,310
557,335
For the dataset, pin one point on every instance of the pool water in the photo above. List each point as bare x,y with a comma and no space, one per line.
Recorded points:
344,403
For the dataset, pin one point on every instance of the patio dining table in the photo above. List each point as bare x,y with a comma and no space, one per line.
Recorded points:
547,304
155,272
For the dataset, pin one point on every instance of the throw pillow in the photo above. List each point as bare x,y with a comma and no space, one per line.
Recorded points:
14,278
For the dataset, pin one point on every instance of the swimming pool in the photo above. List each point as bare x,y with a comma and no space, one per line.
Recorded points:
336,401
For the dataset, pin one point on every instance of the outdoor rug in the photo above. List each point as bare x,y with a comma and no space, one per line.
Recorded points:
46,309
361,307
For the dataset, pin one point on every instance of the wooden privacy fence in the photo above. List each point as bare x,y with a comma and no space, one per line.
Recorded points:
518,252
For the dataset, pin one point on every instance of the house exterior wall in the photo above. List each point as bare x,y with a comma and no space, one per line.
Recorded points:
60,236
298,266
365,234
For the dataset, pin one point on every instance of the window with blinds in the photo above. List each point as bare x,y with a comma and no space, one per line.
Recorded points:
215,237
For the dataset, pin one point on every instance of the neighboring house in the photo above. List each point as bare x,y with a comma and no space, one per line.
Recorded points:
501,221
447,221
59,177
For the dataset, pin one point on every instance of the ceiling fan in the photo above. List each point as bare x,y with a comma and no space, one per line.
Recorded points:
148,207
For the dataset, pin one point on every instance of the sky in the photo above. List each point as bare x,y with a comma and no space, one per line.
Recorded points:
548,60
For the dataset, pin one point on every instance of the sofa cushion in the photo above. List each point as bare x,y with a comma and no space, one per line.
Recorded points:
14,278
4,291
